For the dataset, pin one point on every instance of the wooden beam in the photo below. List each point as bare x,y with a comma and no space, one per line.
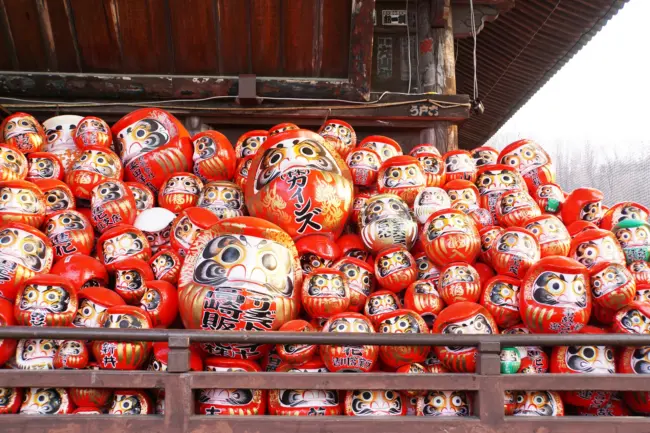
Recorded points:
437,68
361,46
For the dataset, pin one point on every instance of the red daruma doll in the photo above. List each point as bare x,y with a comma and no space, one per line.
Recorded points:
152,144
402,322
459,282
552,235
21,202
114,355
24,252
349,358
395,269
361,280
180,191
22,131
342,133
515,250
531,160
325,293
451,236
46,300
403,176
92,166
92,131
612,285
296,353
214,157
462,318
364,166
112,203
70,233
555,296
501,298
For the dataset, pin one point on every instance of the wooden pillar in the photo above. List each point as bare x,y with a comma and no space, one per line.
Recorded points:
437,69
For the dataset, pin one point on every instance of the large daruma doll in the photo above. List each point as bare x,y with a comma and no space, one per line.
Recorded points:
531,160
555,296
299,183
242,274
152,145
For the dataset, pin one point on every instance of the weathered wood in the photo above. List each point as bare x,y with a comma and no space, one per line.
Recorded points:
67,54
10,60
361,46
93,29
265,40
23,22
437,70
234,25
336,38
46,34
192,29
298,27
462,18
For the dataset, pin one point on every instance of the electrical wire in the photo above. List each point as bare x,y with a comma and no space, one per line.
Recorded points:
473,24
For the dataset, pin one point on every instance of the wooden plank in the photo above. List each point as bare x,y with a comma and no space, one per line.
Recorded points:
233,39
10,60
336,38
46,34
64,39
96,36
193,32
361,46
144,36
25,29
298,37
265,40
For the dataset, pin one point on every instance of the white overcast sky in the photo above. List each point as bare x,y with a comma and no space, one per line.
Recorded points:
601,98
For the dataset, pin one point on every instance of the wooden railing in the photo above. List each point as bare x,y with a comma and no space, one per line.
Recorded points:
179,383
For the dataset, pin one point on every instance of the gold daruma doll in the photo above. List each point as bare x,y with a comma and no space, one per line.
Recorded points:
301,184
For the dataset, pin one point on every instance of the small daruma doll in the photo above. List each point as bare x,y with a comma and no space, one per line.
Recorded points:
70,233
214,157
301,184
187,226
403,176
422,297
249,143
459,282
160,301
115,355
634,237
166,265
623,211
130,277
380,303
431,199
494,180
325,292
360,359
120,243
21,202
501,298
44,165
317,251
515,250
222,198
220,401
612,285
57,196
484,155
72,354
633,319
445,403
10,400
112,203
152,144
156,224
296,353
366,402
549,198
538,403
552,235
384,147
131,402
364,165
462,318
93,165
360,278
595,246
144,198
342,132
385,222
24,252
46,401
93,302
459,165
514,208
433,167
402,322
395,269
23,132
531,160
92,131
248,264
555,296
46,300
180,191
584,204
13,164
451,236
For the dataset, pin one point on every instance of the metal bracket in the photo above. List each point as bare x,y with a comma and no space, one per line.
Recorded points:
247,95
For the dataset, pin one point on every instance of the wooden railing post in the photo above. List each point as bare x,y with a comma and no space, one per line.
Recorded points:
178,360
491,392
179,401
